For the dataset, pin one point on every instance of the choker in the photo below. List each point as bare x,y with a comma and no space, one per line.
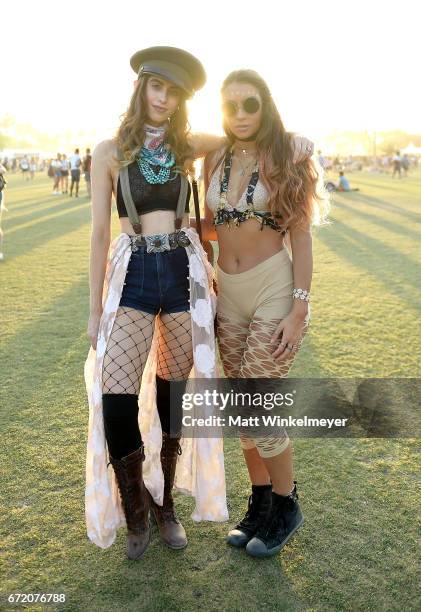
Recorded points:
249,139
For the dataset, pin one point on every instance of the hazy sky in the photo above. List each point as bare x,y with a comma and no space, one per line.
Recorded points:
330,64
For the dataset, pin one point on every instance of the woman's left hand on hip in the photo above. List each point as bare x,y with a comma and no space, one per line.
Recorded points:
286,338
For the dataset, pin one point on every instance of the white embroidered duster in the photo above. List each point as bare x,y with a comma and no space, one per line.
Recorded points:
200,467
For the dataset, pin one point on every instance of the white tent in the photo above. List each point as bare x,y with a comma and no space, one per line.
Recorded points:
411,149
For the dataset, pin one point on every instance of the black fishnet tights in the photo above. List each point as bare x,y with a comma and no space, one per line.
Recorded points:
130,342
175,352
127,351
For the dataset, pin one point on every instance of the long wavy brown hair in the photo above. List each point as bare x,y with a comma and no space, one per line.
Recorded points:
130,136
296,191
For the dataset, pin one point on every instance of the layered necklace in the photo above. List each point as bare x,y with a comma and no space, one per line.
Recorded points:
226,171
154,159
246,155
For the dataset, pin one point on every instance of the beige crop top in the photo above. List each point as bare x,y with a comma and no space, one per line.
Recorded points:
251,205
260,196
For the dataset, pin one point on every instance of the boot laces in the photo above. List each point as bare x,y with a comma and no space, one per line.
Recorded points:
167,512
276,519
169,515
254,511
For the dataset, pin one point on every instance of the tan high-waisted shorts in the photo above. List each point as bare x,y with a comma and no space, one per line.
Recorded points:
263,292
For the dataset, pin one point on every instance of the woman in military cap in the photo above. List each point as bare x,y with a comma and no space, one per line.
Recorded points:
152,307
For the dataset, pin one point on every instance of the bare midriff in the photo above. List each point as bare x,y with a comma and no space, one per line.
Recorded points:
155,222
244,246
240,248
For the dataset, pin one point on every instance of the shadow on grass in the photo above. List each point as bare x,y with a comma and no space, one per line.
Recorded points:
378,259
37,215
383,205
391,186
45,454
388,225
31,356
21,197
44,231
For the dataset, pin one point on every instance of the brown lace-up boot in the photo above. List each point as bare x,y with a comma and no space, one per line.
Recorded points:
172,531
135,500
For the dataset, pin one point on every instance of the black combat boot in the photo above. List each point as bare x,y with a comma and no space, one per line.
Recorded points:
283,520
258,507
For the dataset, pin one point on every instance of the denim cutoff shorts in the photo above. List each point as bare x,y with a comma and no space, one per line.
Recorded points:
157,281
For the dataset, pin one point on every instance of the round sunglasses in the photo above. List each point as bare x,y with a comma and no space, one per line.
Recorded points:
250,106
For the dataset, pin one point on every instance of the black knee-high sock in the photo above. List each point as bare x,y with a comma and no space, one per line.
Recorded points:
170,417
120,412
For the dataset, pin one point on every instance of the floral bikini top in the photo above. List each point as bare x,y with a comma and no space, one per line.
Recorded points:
224,213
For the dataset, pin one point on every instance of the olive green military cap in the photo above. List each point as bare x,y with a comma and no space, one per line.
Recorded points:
173,64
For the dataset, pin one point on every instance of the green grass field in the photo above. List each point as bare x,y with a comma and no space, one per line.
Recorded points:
357,549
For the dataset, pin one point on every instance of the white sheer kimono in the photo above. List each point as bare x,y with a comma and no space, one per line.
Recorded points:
200,467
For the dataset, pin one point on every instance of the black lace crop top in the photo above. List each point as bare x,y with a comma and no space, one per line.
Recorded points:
148,197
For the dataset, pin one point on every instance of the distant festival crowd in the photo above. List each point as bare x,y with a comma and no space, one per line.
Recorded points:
396,164
60,169
65,170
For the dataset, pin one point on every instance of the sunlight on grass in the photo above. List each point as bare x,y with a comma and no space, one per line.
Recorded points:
357,548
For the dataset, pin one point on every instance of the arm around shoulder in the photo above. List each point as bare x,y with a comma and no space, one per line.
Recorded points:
202,144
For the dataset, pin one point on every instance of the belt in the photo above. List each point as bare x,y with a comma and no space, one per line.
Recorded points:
157,243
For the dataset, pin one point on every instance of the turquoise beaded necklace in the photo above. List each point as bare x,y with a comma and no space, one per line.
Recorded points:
154,159
161,157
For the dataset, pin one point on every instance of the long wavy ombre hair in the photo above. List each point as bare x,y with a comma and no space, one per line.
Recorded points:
296,191
130,136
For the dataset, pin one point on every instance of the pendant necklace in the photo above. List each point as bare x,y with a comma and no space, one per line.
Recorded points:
247,168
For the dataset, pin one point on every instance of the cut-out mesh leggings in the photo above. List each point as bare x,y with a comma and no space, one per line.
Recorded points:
251,304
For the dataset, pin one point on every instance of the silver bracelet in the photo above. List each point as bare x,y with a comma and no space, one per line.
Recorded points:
301,294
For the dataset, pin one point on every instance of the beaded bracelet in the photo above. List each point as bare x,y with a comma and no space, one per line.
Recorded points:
301,294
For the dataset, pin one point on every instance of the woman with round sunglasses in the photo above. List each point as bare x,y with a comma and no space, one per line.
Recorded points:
258,203
151,315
